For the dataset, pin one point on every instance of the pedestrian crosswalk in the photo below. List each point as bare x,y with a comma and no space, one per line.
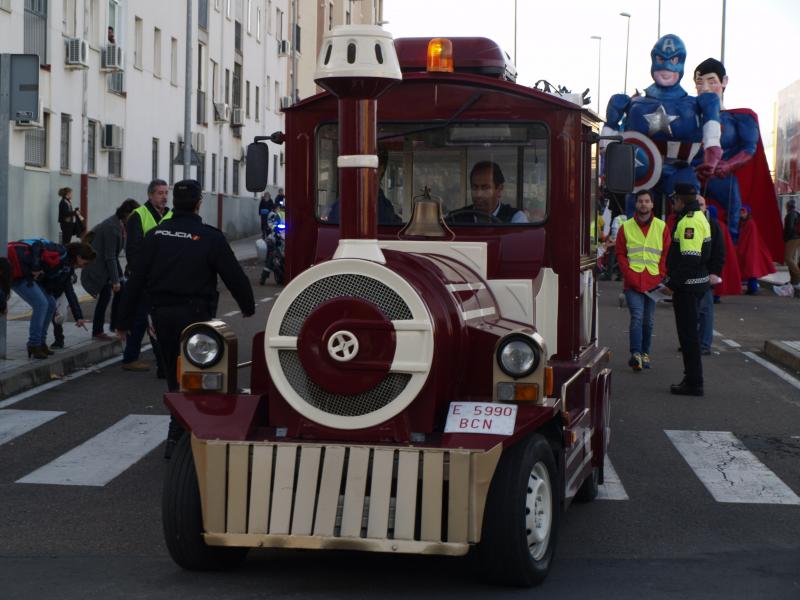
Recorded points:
718,459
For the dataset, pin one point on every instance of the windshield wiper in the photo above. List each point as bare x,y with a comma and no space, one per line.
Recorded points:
466,106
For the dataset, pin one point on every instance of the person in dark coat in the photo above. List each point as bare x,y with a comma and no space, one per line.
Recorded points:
180,262
70,219
104,277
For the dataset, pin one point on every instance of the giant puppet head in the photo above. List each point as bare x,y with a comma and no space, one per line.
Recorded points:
668,56
709,76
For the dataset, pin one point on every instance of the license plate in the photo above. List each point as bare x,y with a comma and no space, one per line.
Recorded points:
481,417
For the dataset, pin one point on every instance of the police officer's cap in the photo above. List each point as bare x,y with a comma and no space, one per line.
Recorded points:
187,189
685,189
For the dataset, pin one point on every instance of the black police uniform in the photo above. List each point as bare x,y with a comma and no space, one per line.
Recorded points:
688,277
178,270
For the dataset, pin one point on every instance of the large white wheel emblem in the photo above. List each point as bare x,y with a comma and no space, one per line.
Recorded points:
343,346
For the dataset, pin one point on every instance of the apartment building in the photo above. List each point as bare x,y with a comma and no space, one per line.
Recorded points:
112,83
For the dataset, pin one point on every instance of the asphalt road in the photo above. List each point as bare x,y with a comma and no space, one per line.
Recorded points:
670,539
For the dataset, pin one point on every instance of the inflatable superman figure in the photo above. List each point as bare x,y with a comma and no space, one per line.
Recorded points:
742,175
667,126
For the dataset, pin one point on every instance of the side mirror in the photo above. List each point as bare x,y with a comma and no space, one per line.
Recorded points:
619,167
257,167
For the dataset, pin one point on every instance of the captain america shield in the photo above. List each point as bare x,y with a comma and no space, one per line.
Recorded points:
647,160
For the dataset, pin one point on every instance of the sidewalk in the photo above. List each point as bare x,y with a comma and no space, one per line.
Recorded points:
18,372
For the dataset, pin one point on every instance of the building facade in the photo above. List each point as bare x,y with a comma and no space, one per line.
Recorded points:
113,76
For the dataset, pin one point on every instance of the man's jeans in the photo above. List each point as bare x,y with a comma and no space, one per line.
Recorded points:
705,319
43,305
642,309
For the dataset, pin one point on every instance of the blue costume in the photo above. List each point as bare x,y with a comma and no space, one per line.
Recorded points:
676,123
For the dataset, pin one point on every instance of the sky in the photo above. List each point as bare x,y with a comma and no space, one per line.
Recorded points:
554,41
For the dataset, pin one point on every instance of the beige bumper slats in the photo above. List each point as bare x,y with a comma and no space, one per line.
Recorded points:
374,498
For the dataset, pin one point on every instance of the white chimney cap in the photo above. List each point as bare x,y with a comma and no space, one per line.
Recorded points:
358,51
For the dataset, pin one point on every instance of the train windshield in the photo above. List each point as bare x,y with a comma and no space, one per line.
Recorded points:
482,173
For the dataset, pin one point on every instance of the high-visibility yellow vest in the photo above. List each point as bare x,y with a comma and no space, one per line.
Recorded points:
690,233
644,252
147,220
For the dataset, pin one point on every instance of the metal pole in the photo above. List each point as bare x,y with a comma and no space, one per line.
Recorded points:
599,52
85,125
722,51
294,53
515,32
5,140
659,19
627,45
187,98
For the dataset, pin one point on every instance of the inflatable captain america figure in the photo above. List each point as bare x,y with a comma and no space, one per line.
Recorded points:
667,125
743,172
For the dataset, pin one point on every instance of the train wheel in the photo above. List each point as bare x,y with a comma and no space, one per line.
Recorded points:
183,520
589,488
521,520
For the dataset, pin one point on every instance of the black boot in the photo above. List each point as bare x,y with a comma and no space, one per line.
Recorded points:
686,389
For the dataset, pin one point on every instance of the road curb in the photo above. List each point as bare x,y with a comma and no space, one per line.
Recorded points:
783,354
63,362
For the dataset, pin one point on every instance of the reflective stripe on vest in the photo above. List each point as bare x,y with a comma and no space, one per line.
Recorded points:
147,220
644,252
692,230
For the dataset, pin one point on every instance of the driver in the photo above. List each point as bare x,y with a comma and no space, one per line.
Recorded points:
486,188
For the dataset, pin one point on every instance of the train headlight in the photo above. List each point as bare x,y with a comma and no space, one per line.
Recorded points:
204,347
518,356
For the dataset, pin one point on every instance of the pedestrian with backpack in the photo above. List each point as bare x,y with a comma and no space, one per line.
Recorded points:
39,267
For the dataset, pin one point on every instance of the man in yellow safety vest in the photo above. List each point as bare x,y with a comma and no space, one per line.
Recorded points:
641,248
143,219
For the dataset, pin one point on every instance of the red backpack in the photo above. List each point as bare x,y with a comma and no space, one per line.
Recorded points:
20,256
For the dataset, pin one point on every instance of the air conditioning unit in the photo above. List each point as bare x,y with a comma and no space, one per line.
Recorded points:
286,102
199,142
222,112
112,137
284,47
32,122
237,117
76,55
112,58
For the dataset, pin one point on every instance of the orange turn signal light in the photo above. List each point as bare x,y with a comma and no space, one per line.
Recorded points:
440,55
548,382
527,392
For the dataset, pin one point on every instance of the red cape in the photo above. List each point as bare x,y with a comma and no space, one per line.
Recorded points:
731,275
754,258
758,190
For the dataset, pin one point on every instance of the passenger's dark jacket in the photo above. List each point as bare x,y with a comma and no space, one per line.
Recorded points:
179,264
790,229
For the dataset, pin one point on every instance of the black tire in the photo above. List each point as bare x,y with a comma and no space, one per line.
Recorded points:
589,488
183,520
504,551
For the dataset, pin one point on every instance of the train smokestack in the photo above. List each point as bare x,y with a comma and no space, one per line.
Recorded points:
357,63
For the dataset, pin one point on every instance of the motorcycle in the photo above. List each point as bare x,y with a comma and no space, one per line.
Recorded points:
273,253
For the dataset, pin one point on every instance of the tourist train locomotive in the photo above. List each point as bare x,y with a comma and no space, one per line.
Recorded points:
430,378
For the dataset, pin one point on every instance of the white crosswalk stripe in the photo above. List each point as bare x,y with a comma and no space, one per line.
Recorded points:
730,472
612,488
102,458
14,423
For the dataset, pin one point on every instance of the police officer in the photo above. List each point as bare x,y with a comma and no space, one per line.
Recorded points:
688,279
141,221
180,261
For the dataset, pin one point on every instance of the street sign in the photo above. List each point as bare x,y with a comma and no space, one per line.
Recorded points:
24,91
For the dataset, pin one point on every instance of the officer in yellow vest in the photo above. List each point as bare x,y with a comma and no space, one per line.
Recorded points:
641,248
688,277
142,220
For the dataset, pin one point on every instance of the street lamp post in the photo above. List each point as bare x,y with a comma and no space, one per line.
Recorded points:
599,52
627,45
